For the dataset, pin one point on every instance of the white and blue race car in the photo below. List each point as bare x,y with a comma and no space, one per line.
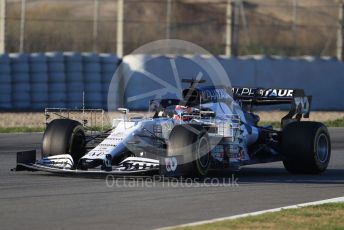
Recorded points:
209,128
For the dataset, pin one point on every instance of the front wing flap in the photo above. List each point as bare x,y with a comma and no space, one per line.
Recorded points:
26,161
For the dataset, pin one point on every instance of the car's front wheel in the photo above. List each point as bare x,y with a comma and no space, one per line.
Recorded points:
191,142
64,136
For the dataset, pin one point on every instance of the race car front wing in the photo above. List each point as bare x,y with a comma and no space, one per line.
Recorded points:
63,164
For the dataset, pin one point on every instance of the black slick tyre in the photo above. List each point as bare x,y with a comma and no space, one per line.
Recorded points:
306,147
64,136
193,143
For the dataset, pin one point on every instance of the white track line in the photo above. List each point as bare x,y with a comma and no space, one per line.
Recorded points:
333,200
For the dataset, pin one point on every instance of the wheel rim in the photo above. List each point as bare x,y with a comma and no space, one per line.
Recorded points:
322,148
203,152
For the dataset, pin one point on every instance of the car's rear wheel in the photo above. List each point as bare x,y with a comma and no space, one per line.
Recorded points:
306,147
64,136
193,144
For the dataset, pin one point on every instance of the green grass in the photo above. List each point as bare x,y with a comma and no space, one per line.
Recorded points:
335,123
99,128
21,129
274,124
327,216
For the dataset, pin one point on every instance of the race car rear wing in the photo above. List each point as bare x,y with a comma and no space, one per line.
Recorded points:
266,96
300,103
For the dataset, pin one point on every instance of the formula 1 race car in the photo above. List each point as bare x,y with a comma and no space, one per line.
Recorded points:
210,128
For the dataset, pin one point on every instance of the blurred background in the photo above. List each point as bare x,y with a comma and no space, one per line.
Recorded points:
270,27
63,53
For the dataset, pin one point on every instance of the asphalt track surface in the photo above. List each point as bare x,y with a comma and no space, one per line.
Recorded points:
44,201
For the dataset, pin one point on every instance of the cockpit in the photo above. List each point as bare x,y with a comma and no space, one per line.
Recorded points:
196,102
176,109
